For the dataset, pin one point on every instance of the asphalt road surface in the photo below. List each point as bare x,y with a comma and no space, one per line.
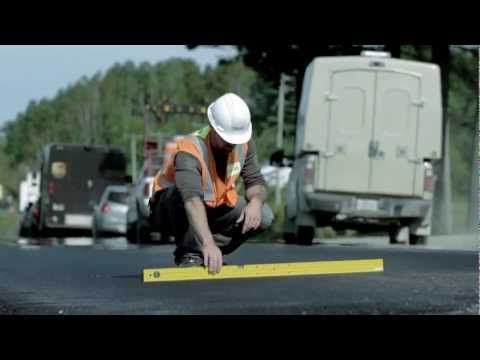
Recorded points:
74,276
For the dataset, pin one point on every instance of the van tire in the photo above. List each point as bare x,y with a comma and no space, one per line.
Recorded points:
393,235
305,235
290,238
417,239
289,229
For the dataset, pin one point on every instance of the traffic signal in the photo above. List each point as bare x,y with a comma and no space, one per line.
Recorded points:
168,108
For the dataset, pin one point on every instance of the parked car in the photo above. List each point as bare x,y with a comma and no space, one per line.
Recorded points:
369,131
110,214
138,229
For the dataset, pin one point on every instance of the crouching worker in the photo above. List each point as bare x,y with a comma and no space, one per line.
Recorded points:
195,196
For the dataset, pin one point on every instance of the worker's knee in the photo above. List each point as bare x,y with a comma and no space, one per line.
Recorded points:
168,213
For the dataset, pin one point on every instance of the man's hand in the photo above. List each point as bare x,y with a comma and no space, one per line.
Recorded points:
212,257
251,215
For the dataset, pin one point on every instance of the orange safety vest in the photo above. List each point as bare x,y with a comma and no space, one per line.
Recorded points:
168,152
216,192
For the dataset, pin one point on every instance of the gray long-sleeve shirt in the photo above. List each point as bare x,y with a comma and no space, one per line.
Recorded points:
188,172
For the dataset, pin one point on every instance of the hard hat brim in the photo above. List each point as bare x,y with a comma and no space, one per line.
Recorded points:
235,138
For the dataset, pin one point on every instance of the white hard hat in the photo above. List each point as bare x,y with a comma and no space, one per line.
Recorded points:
230,117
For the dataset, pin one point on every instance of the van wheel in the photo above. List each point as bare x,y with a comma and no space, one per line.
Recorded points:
393,235
417,239
289,229
290,238
305,235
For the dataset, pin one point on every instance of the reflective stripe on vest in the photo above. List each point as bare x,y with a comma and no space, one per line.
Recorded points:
208,194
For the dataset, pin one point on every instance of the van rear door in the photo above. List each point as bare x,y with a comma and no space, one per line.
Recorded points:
393,149
345,166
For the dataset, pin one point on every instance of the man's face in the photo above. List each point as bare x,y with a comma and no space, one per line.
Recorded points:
221,145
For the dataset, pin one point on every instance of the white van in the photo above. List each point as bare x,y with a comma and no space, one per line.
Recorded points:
369,128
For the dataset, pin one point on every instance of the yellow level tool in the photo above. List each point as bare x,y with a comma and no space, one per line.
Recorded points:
264,270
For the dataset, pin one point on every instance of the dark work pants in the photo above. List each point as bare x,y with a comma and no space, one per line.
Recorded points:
168,216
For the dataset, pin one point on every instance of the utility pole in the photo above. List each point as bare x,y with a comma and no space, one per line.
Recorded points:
442,203
283,88
473,204
133,154
473,209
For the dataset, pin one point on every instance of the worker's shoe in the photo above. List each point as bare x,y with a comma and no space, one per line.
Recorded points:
189,260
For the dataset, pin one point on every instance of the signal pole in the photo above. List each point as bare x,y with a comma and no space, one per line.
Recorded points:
133,154
280,125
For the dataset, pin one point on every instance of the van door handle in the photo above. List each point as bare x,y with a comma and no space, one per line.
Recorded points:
373,149
415,161
419,102
330,97
326,154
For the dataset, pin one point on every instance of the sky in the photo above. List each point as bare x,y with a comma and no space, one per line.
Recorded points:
33,72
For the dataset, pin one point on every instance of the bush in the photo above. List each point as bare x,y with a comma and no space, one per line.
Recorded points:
9,222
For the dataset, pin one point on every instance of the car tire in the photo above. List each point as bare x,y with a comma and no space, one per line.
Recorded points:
143,233
132,233
94,232
305,235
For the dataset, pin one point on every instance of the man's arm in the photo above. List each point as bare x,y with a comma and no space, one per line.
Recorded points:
197,218
255,184
256,193
255,190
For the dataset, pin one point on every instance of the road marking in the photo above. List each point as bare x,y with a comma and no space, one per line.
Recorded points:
264,270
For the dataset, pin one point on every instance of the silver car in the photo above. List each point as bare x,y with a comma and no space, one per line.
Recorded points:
110,215
138,227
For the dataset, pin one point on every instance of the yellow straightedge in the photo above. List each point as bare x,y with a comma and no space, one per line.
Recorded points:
264,270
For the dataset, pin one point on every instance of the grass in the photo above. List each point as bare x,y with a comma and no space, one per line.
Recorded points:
8,226
459,213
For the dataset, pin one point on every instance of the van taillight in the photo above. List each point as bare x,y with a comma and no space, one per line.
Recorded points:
51,188
146,190
428,184
429,180
309,173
